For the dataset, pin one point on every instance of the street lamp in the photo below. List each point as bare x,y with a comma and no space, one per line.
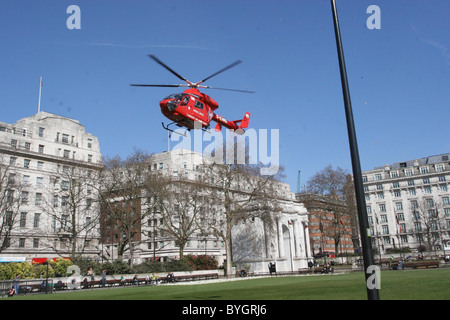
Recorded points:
369,262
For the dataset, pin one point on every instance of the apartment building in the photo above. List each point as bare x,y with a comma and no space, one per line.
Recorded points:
408,204
44,159
329,224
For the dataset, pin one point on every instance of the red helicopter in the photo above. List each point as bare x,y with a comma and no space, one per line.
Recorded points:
192,106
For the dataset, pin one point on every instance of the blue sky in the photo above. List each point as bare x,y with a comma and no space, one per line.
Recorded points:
399,75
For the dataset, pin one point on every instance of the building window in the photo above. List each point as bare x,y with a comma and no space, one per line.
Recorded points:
383,218
65,138
23,219
24,198
25,180
26,163
22,243
445,201
41,148
394,174
41,132
440,167
447,212
417,226
89,143
38,199
35,243
36,220
66,153
423,170
378,176
39,182
27,146
64,201
408,172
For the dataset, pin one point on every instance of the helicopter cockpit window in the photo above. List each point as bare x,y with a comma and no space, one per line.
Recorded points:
199,105
177,96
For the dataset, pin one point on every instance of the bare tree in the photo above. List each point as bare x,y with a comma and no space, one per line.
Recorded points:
427,219
329,182
336,186
10,202
182,203
129,193
72,206
240,194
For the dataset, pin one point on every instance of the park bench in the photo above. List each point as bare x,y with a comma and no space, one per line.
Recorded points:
416,265
196,277
321,270
305,270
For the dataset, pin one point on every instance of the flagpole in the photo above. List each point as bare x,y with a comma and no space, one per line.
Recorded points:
168,140
40,88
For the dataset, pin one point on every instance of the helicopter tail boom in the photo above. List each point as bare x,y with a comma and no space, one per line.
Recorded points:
237,125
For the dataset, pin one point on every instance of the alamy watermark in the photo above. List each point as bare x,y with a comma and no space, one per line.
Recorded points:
374,279
236,147
374,21
74,20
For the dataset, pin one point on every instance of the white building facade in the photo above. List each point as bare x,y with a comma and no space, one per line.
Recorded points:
40,156
50,163
408,204
253,245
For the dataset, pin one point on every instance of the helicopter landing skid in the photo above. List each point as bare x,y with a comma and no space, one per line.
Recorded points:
170,130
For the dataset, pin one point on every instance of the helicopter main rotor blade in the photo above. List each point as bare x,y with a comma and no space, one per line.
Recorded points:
237,90
222,70
168,68
160,85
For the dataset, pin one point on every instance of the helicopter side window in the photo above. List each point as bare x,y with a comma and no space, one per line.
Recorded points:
185,101
198,105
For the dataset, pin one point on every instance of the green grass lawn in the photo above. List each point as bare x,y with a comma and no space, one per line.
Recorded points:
433,284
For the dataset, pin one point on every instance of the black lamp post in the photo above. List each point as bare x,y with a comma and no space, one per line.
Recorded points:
369,261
